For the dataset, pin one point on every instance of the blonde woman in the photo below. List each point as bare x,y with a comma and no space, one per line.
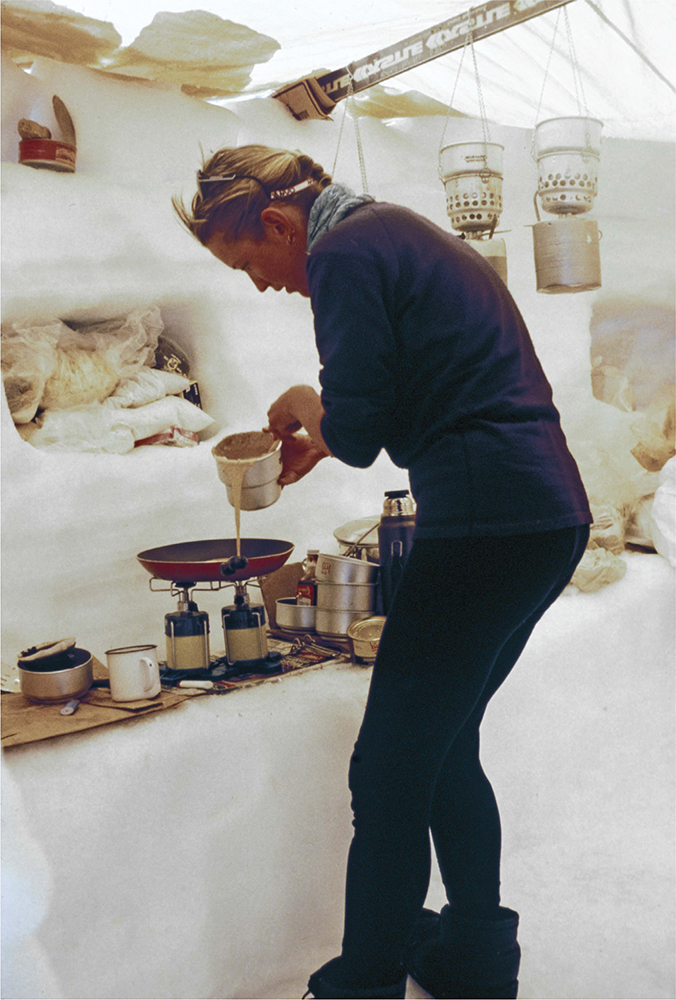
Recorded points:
424,353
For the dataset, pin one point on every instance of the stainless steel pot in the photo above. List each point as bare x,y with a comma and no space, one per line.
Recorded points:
343,569
295,617
336,623
346,596
46,686
359,538
260,486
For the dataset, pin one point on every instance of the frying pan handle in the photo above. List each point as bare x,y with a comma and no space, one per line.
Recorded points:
234,565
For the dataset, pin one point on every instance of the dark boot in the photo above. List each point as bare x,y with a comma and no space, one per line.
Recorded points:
326,984
465,958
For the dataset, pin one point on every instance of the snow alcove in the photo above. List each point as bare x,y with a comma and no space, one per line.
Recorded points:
102,244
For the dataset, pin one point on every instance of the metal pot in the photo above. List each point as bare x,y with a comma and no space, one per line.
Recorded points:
46,686
336,623
295,617
359,538
260,486
343,569
346,596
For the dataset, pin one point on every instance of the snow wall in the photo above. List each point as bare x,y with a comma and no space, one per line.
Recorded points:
100,242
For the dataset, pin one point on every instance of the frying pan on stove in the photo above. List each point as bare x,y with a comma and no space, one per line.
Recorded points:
215,559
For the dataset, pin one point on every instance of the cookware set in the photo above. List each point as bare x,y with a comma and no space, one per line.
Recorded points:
352,590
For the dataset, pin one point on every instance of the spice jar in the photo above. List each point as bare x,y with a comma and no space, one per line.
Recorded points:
306,588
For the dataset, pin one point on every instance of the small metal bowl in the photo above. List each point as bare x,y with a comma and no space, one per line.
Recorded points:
295,617
364,639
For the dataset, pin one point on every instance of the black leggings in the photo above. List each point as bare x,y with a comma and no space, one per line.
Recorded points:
461,617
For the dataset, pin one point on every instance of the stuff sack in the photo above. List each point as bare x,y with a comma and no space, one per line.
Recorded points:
54,366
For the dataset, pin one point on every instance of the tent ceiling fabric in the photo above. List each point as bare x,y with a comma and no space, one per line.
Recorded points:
212,56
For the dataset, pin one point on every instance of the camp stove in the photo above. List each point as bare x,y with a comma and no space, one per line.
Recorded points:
187,634
210,565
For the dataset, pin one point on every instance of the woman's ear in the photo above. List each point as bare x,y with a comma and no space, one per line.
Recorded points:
277,223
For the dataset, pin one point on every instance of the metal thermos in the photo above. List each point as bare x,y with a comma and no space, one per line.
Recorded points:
395,537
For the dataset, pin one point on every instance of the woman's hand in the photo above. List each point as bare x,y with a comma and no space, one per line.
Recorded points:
299,456
283,415
298,407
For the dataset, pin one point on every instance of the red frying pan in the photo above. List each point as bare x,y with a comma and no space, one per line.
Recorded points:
215,559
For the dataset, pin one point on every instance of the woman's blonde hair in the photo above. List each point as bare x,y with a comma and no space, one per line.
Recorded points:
236,184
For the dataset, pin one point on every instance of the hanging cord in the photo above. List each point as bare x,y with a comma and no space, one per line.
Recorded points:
482,106
350,103
450,103
546,76
577,74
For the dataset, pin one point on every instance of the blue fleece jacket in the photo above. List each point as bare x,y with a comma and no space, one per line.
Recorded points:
424,353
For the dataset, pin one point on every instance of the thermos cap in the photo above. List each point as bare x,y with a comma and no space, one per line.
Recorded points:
398,503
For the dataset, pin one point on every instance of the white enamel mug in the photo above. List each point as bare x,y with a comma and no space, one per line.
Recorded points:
134,673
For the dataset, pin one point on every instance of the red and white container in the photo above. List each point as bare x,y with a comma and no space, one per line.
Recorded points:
48,154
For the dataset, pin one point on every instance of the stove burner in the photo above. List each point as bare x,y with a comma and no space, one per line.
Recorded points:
187,634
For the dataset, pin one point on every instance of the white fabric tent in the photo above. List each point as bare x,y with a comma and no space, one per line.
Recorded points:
623,49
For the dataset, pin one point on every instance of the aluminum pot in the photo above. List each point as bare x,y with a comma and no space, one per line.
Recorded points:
260,453
359,538
344,569
295,617
346,596
470,158
336,623
46,686
578,132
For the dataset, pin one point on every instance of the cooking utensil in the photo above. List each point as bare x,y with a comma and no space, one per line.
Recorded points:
253,458
45,686
343,569
336,623
346,596
294,617
200,561
359,538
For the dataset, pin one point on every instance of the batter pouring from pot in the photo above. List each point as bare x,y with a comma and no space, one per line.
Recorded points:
424,353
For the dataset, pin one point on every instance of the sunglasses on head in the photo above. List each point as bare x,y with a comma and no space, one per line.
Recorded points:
272,195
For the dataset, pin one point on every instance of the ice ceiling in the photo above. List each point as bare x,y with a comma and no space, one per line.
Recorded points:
623,49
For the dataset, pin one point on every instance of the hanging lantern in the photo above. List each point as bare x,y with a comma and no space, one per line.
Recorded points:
471,173
567,255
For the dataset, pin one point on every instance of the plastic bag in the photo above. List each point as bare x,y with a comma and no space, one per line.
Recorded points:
91,428
53,366
172,411
608,528
93,359
598,568
96,428
146,386
28,360
610,385
655,432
